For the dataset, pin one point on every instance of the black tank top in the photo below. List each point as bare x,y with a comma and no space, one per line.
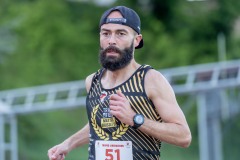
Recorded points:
103,126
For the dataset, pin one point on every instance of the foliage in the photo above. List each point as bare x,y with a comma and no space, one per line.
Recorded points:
53,43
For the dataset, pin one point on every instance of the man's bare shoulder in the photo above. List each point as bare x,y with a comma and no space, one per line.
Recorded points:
155,83
90,77
154,76
88,81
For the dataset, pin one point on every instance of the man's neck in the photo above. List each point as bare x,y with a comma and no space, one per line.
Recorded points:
111,79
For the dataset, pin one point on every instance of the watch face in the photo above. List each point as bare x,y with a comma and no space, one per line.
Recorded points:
139,119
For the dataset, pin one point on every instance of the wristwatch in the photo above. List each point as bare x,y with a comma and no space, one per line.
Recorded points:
138,120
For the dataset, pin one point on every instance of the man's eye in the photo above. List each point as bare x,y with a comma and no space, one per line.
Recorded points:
105,33
121,34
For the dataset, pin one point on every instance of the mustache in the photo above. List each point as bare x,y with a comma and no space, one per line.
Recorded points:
111,49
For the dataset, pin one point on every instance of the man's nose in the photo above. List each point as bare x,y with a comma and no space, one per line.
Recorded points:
112,39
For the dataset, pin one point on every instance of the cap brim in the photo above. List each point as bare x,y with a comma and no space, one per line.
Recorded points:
140,45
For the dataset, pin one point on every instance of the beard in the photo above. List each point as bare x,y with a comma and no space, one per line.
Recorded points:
114,63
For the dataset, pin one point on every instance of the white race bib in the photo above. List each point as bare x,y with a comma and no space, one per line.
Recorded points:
113,150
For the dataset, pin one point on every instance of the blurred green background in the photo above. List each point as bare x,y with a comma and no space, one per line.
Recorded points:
44,42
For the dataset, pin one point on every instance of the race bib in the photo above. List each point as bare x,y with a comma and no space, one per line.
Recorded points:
113,150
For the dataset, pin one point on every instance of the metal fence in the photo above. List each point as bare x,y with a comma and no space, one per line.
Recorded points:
207,84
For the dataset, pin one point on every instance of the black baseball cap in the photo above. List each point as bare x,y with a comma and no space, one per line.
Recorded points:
130,19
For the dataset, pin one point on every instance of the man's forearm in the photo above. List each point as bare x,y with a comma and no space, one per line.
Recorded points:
78,139
172,133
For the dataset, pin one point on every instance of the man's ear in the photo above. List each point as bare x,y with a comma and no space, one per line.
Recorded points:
138,38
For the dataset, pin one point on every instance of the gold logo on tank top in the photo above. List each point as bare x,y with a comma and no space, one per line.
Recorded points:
108,122
121,130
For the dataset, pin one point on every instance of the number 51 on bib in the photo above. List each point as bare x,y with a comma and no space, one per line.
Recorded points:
113,150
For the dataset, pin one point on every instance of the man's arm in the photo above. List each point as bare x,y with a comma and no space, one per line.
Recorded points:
78,139
59,151
174,128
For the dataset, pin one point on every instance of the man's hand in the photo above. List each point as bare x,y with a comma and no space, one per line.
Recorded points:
57,152
121,108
